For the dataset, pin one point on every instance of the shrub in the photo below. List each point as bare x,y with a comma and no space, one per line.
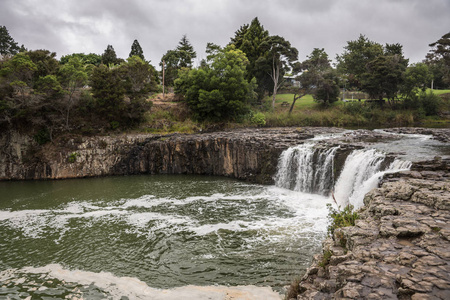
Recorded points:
338,218
72,157
42,136
258,119
430,103
325,259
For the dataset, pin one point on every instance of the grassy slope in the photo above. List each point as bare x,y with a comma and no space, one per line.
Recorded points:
357,114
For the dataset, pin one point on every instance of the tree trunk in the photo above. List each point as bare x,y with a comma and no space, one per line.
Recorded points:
275,76
295,99
163,77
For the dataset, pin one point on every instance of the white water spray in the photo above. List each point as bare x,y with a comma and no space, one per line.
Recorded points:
309,168
306,168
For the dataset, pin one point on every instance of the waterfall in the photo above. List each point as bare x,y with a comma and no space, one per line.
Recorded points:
310,168
362,172
306,168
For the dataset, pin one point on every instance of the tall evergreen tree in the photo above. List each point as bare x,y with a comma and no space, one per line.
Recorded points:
174,60
438,59
136,50
248,39
109,56
7,43
186,53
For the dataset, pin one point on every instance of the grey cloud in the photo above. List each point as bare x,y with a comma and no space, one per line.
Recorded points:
67,26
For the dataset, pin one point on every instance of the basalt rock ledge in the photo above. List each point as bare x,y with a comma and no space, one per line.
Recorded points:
399,249
247,154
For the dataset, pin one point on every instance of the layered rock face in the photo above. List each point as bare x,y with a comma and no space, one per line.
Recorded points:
399,249
250,154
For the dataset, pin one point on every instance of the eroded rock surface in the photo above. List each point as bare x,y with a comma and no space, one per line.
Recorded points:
399,249
250,154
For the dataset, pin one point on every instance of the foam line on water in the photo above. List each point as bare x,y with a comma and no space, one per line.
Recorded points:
117,287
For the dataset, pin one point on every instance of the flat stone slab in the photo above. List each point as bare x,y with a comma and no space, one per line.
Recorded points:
399,249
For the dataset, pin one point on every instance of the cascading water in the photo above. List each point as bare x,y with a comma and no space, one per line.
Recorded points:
362,172
310,168
306,168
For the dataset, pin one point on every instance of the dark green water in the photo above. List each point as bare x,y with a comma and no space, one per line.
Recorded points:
165,231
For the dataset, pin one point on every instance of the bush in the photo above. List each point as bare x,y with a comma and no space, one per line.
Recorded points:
258,119
338,218
72,157
430,103
42,137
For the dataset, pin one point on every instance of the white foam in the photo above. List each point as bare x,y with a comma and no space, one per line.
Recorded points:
134,288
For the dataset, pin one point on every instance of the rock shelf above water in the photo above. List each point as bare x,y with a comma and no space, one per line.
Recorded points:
399,249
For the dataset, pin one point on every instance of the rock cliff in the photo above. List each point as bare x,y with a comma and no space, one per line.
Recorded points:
399,249
249,154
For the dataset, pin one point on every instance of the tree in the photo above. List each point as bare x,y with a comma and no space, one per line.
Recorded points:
140,76
86,59
316,75
109,57
439,58
19,71
249,39
372,68
73,76
356,56
416,78
108,90
7,43
282,56
119,92
218,91
174,60
136,50
384,74
327,90
186,53
170,62
45,61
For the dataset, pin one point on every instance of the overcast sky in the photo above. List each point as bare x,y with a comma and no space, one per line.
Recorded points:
71,26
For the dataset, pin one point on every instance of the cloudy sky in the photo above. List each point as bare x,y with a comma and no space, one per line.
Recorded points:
70,26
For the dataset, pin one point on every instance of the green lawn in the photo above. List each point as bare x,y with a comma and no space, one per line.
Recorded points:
306,102
439,92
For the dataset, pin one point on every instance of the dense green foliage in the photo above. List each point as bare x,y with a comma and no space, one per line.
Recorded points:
249,39
181,57
372,68
87,59
439,61
88,93
281,55
217,91
47,97
318,78
7,43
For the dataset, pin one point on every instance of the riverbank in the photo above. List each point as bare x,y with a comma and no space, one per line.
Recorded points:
246,154
398,249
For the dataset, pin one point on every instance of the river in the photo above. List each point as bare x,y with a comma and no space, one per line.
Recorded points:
139,237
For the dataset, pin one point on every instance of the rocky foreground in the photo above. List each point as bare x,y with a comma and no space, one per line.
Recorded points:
399,249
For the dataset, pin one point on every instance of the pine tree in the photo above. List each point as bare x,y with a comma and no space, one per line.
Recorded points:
7,43
109,56
136,50
186,52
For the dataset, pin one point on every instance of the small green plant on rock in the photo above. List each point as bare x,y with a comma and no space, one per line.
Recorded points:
72,157
325,259
341,218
